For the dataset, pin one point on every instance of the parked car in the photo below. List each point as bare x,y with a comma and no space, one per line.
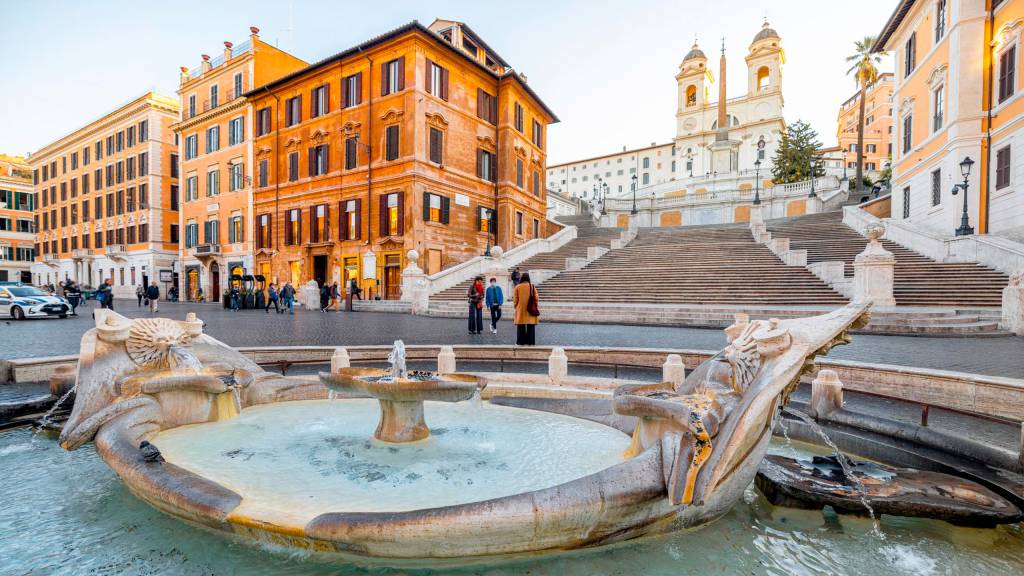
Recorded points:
21,302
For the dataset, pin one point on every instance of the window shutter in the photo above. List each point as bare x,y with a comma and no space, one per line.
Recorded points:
312,160
270,233
344,91
359,88
298,240
359,218
446,205
298,108
314,108
429,80
342,221
494,109
384,79
327,158
287,119
327,99
401,213
480,104
444,84
401,75
479,163
382,230
426,206
312,227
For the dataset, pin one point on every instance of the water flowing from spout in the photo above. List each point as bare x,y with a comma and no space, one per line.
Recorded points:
397,360
45,421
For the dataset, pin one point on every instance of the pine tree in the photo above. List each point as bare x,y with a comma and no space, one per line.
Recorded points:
792,162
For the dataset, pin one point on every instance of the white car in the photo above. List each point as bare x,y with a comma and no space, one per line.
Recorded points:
21,302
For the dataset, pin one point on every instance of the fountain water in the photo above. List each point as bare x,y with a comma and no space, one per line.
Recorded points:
45,421
397,361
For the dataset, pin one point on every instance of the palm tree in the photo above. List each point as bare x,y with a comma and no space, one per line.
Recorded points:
865,68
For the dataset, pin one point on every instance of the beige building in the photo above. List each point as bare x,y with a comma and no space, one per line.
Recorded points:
17,229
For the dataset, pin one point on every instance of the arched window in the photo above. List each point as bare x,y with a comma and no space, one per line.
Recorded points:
763,77
691,95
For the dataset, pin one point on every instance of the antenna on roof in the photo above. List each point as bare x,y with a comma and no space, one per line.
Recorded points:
723,44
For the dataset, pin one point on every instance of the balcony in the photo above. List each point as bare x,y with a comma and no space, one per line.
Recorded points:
206,250
117,251
81,253
51,259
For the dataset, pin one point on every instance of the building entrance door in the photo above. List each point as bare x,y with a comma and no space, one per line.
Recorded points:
214,291
320,269
392,289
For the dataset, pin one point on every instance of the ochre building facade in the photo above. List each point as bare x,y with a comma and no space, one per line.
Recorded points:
17,227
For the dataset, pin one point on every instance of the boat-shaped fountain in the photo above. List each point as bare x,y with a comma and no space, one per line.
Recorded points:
255,454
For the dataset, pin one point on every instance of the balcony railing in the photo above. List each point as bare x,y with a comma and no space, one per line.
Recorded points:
50,257
79,253
206,250
116,251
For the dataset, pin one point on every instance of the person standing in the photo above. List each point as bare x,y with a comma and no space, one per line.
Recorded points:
105,294
516,276
356,290
494,298
74,295
140,293
233,296
325,297
288,297
272,299
335,297
527,316
153,295
475,295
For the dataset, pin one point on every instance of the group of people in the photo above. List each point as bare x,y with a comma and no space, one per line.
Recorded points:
148,295
524,299
285,295
330,297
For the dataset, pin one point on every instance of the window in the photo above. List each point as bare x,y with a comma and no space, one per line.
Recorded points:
238,85
519,172
85,156
144,232
908,124
940,20
1007,73
519,121
212,139
938,109
191,188
175,235
853,147
214,96
191,146
536,228
293,227
906,202
691,95
174,165
98,211
293,111
352,90
262,173
235,230
436,208
536,183
263,231
131,136
319,102
263,116
319,219
110,205
486,106
144,164
870,148
120,141
318,156
129,200
486,163
143,197
910,55
293,166
1003,167
436,146
391,142
392,76
174,197
236,180
437,80
130,168
74,187
191,234
538,134
74,160
213,182
99,150
191,105
647,163
936,187
351,152
350,226
120,171
236,131
646,179
143,131
519,223
392,214
869,166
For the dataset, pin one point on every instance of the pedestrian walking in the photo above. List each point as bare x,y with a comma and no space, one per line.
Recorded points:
272,299
288,297
140,293
74,296
234,296
475,295
325,297
516,276
335,297
356,290
527,315
494,298
105,294
153,295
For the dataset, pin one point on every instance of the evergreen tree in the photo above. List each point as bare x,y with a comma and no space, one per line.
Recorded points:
792,162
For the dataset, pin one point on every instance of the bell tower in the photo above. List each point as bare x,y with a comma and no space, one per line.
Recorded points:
764,62
693,81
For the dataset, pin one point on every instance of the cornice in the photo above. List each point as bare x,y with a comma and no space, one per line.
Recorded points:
240,102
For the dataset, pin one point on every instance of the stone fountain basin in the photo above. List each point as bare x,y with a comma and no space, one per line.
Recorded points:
373,382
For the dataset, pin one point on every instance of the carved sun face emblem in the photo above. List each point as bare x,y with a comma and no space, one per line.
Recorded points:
151,340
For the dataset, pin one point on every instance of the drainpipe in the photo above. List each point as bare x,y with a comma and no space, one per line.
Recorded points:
983,227
277,179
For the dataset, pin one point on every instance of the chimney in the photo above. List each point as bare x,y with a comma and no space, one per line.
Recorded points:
522,77
206,63
184,74
227,50
254,34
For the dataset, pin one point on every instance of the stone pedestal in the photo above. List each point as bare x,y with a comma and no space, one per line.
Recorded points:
874,271
309,295
826,394
673,370
499,271
446,360
815,205
558,365
1013,305
340,360
415,289
756,215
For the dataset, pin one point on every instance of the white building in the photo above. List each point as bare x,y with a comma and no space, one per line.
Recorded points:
654,164
560,204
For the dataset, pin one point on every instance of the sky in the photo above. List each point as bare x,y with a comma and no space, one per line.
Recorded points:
606,68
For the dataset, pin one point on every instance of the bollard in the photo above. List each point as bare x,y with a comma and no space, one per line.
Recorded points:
446,360
826,394
558,365
339,360
673,370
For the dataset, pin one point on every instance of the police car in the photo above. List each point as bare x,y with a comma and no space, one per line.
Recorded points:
20,301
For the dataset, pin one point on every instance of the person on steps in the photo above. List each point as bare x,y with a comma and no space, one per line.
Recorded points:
527,315
494,298
475,296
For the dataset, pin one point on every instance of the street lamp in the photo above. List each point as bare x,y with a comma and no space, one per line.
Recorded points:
813,166
965,170
604,197
757,182
633,211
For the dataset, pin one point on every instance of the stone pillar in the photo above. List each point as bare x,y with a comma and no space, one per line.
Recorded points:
826,394
673,370
1013,305
309,295
756,215
558,365
446,360
414,285
815,205
874,270
340,360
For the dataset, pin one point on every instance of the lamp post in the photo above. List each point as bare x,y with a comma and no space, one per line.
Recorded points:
845,177
757,182
965,170
490,220
813,166
604,197
633,211
689,163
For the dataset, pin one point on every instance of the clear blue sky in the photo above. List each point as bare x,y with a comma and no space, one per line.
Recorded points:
607,68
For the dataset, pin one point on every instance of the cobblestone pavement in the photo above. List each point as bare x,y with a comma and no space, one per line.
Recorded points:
1001,356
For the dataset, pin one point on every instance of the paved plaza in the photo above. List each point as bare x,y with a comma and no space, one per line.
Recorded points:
996,356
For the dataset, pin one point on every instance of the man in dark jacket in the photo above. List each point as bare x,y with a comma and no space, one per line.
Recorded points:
153,295
74,295
494,298
105,294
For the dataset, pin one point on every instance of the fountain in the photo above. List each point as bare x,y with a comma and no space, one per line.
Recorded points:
268,457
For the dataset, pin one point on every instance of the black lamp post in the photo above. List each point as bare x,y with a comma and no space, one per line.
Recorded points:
490,220
757,182
689,163
965,170
633,211
604,197
813,166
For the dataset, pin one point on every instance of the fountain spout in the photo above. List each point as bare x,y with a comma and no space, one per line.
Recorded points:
397,360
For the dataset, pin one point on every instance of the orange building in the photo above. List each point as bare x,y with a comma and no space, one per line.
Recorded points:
410,140
215,147
877,127
17,230
108,205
